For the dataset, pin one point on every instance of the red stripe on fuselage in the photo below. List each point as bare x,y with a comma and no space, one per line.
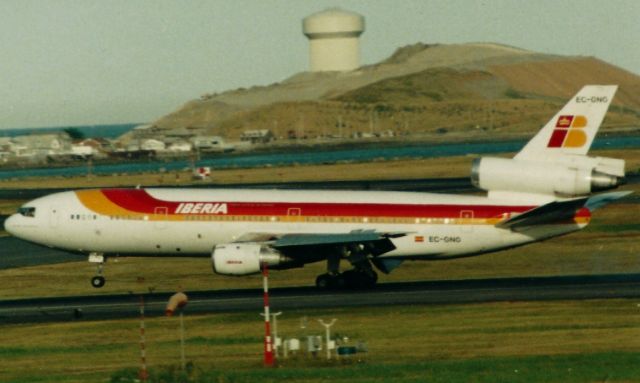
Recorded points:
139,201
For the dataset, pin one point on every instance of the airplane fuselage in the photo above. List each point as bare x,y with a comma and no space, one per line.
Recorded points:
190,222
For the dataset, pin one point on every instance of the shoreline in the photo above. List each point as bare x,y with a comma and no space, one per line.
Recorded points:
283,156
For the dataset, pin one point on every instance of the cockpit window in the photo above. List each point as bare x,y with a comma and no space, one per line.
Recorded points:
27,211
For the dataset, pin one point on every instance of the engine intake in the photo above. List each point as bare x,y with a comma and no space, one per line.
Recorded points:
245,258
566,177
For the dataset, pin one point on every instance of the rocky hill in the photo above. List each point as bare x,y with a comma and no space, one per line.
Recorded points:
456,91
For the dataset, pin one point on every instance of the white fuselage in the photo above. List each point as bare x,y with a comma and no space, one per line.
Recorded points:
190,222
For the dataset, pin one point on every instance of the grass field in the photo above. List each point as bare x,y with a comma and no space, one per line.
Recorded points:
538,341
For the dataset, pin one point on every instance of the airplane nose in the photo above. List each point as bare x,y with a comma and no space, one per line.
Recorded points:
10,224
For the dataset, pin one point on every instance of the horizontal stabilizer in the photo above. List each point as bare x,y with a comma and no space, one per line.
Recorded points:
551,212
599,200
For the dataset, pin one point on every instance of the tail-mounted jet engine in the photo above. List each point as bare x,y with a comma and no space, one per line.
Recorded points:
246,258
565,176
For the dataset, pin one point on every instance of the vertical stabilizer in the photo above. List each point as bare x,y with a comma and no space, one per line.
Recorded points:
572,129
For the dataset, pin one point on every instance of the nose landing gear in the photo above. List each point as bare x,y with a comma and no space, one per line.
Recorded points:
98,281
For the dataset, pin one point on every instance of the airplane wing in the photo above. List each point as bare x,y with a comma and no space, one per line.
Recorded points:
295,240
312,247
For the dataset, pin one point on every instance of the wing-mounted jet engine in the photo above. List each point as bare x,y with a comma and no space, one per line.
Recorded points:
246,258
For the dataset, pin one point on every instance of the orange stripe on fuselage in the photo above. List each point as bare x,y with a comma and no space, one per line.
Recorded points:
97,202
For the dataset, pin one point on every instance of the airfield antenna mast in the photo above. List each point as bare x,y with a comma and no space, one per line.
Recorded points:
327,327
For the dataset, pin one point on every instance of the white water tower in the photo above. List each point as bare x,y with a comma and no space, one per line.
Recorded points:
334,43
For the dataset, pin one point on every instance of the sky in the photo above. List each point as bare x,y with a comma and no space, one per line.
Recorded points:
86,62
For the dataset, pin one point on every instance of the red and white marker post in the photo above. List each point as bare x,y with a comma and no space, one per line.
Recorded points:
177,302
142,374
268,342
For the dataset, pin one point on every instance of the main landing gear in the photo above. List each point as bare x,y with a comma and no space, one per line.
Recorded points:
351,279
98,281
362,276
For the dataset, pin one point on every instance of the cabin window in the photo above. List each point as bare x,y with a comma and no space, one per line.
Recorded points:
27,211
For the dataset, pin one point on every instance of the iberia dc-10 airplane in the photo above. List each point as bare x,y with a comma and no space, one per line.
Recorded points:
543,192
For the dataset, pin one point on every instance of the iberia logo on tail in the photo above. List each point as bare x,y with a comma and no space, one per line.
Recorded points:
569,132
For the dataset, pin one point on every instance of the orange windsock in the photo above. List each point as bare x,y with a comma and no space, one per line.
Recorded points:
177,300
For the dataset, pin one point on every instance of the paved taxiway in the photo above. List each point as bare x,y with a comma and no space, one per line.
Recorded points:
435,292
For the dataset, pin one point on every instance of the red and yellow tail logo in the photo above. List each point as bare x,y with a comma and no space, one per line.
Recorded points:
569,132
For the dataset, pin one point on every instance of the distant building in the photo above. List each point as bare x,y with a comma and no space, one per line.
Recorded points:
49,144
211,144
5,147
152,144
145,131
82,151
260,136
21,151
180,147
97,143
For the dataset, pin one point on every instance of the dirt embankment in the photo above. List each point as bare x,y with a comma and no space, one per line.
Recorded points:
563,77
422,90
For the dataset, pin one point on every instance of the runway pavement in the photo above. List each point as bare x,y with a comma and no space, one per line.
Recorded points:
434,292
17,253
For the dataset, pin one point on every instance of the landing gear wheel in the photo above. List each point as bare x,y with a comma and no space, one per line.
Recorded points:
356,279
328,281
97,281
323,281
